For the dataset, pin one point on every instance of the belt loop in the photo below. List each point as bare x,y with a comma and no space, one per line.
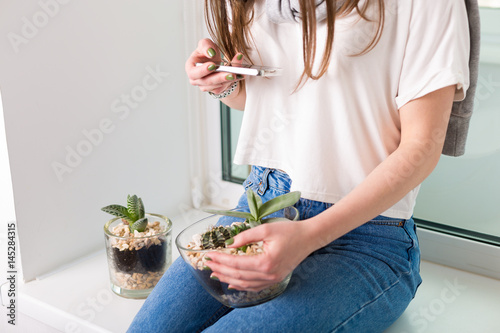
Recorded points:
263,185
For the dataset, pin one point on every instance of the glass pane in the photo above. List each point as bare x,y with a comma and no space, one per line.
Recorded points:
489,3
464,192
230,125
238,171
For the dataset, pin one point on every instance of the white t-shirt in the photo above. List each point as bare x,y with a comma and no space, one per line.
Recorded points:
329,135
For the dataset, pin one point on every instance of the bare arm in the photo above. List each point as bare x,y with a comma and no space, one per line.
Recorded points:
208,80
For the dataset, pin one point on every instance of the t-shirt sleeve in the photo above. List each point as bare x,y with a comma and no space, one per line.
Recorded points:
437,50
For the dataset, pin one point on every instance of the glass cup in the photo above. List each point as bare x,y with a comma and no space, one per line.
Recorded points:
219,290
136,264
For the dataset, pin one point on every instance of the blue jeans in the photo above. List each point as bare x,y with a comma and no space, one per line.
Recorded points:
361,282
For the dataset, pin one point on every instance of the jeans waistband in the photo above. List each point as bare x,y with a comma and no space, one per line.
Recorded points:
262,178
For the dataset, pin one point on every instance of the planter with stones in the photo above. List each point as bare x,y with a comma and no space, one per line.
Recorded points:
138,259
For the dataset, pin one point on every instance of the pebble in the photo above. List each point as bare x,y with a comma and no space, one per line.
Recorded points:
122,230
137,281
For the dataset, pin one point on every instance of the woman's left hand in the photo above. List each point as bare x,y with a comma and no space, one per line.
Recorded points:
286,244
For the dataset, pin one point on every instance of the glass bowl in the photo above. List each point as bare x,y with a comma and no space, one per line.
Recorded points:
195,260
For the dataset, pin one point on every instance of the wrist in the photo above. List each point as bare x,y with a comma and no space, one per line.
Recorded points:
313,235
226,92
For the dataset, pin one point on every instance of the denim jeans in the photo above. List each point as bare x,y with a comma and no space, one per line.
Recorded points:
361,282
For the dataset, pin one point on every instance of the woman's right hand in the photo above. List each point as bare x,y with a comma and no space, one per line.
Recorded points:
204,76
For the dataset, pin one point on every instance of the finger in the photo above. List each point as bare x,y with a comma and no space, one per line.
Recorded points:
218,90
237,274
214,88
252,235
238,58
209,49
202,70
249,263
206,51
214,79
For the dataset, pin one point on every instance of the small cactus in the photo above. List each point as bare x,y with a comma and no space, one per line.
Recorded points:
133,213
214,238
217,236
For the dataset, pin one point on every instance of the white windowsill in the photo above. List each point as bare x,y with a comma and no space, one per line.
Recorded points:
78,299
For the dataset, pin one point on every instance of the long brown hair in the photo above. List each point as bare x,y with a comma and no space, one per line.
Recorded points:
238,37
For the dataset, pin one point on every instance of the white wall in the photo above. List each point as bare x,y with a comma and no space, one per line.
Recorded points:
94,96
6,196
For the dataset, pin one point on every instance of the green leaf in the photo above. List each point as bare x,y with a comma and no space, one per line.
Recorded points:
254,203
118,211
233,213
279,203
254,223
236,229
258,200
139,225
140,209
132,206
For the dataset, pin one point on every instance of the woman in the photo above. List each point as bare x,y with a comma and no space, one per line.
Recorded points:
356,122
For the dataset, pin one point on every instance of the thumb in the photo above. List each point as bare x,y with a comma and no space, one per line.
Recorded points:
237,59
252,235
209,50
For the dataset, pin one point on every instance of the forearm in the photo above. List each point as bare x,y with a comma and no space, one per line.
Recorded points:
384,187
237,99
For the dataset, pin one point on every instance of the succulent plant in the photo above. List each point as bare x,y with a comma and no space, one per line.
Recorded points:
217,236
133,213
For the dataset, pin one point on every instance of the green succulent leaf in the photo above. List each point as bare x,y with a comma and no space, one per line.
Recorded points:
132,206
254,203
118,211
139,225
140,209
254,223
233,213
258,210
236,229
278,203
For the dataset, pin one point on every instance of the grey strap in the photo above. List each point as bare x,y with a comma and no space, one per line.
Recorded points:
458,127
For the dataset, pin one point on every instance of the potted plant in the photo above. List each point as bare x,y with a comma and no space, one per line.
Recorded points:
215,232
138,246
